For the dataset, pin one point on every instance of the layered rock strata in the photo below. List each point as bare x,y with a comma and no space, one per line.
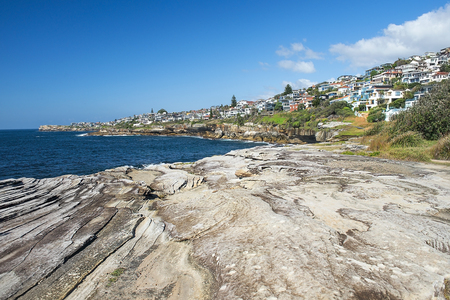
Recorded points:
258,133
261,223
61,128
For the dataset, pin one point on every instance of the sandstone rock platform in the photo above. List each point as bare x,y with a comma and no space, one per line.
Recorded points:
263,223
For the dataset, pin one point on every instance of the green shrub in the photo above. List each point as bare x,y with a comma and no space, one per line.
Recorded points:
374,153
442,148
407,139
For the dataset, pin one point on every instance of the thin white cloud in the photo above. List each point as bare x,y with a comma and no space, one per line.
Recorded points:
283,51
297,66
299,84
309,54
297,47
264,65
429,32
264,95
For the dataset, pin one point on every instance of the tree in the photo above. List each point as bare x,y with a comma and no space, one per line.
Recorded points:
415,86
373,73
445,68
400,86
316,102
162,111
210,113
345,112
408,95
362,107
278,106
152,110
233,101
376,114
393,80
400,62
288,89
398,103
301,106
240,120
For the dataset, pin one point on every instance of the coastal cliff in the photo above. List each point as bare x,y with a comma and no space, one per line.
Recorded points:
60,128
261,223
250,132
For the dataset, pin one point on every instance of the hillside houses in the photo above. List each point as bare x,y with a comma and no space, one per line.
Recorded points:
371,90
380,85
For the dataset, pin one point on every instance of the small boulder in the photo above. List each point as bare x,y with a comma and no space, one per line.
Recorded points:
243,173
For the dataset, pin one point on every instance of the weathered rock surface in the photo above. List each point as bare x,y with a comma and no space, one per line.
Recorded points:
261,223
250,132
61,128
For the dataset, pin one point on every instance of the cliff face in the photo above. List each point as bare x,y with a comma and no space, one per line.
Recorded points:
59,128
261,223
259,133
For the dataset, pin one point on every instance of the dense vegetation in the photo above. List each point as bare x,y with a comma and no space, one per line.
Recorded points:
430,116
413,133
307,118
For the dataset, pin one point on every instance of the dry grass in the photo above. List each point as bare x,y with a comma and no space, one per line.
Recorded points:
447,289
379,143
441,150
382,145
359,121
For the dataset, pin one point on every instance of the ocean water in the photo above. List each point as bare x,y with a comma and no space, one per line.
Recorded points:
30,153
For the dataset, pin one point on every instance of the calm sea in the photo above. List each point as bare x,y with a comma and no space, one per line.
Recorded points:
30,153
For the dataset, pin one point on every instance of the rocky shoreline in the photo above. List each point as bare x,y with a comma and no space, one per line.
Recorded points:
249,132
262,223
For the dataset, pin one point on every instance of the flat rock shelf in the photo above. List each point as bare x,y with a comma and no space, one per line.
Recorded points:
262,223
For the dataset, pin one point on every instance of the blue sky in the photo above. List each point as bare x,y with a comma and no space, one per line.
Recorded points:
70,61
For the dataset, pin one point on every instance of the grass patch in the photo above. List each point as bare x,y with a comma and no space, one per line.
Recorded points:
275,119
421,154
348,153
112,279
115,276
117,272
351,131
